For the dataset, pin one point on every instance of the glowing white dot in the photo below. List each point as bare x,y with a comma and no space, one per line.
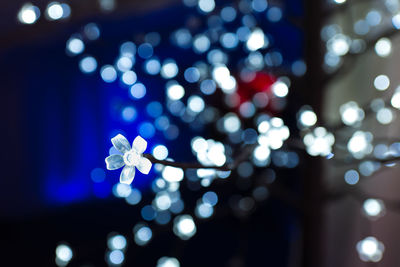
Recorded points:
381,82
231,123
169,69
184,227
88,64
160,152
308,118
280,89
138,90
196,104
175,91
370,249
395,101
64,253
206,5
201,43
373,207
396,21
116,257
143,235
117,242
383,47
351,177
256,40
168,262
75,46
339,1
172,174
129,77
28,14
384,116
54,11
108,73
124,63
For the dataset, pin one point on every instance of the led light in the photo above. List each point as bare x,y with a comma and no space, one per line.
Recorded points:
28,14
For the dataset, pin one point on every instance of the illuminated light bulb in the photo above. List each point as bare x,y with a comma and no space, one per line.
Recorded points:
280,89
381,82
351,113
370,249
54,11
308,118
256,40
359,144
64,253
373,208
184,227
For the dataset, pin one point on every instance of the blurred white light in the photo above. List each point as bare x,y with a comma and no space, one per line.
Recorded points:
129,114
381,82
351,113
117,242
308,118
75,46
64,253
138,90
172,174
152,66
231,123
280,89
196,103
206,5
162,201
54,11
383,47
208,87
395,100
168,262
143,234
122,190
373,207
384,116
129,77
134,197
116,257
124,63
169,69
256,40
192,75
88,64
396,21
261,153
351,177
339,44
28,13
201,43
339,1
204,210
319,142
370,249
184,226
108,73
160,152
175,91
359,144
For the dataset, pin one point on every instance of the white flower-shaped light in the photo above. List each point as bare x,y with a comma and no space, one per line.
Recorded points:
131,157
319,142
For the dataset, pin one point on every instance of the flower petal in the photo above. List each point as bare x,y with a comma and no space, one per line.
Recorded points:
144,165
127,175
139,144
114,162
120,143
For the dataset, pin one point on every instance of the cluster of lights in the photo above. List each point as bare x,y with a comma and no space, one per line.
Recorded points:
319,142
116,247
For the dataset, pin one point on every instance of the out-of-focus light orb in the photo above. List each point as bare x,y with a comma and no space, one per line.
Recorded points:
261,153
184,227
373,207
172,174
160,152
129,77
143,234
116,257
370,249
152,66
383,47
192,75
280,89
196,103
274,14
88,64
129,114
210,197
204,210
206,5
229,40
247,109
107,5
373,17
201,43
256,40
361,27
339,44
259,5
121,190
28,14
395,100
175,91
64,253
208,87
108,73
117,242
92,31
231,123
138,90
299,68
124,63
359,144
145,50
396,21
55,11
381,82
162,201
384,116
351,113
75,46
308,118
319,142
134,197
273,133
169,69
168,262
351,177
339,1
127,49
228,14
